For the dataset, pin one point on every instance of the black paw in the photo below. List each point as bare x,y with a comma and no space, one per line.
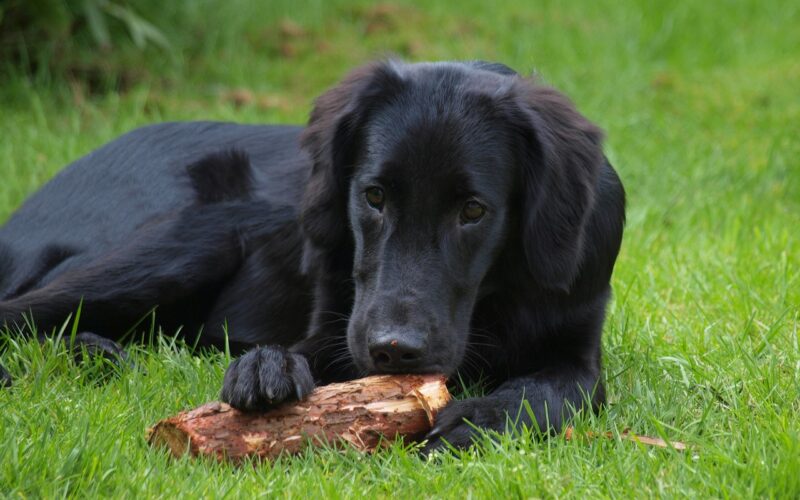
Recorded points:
88,345
264,377
5,377
458,423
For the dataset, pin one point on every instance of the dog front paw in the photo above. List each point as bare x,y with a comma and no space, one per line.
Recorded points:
459,423
265,377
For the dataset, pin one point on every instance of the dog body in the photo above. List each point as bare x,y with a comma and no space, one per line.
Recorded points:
447,217
167,216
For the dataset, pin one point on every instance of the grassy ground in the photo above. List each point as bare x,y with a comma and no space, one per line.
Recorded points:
701,107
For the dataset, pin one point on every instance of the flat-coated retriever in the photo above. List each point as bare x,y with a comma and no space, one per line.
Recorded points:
433,217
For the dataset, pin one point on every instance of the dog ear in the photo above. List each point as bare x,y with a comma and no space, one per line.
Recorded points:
561,157
332,139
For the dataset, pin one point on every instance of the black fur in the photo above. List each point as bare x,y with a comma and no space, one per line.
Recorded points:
5,378
288,250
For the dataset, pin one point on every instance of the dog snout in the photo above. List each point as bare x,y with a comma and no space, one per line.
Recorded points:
398,350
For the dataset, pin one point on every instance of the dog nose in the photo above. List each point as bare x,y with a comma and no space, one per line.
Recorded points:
398,351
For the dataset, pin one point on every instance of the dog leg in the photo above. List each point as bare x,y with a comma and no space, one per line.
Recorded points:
551,394
84,343
5,377
266,301
94,345
265,376
178,260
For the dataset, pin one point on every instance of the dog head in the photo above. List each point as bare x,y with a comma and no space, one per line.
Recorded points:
429,172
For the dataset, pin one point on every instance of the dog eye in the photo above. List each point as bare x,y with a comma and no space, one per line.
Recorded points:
472,212
375,197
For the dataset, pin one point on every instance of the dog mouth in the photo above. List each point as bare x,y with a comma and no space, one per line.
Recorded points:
377,365
424,342
433,369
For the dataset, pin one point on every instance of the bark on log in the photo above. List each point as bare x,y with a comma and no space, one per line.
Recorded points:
364,413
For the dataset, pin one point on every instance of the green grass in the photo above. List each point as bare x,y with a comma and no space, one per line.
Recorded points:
701,107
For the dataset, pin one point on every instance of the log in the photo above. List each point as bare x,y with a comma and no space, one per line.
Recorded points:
366,413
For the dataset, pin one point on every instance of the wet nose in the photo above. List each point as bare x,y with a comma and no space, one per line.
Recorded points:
398,351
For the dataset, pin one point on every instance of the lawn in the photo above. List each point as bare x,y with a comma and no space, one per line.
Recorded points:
701,106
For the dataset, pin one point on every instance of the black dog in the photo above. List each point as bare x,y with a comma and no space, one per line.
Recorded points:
444,217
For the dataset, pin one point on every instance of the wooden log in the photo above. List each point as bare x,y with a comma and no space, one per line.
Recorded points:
365,413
